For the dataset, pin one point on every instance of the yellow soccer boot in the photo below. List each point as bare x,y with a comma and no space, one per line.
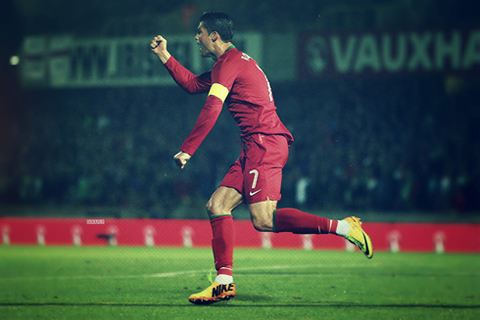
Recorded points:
358,237
214,293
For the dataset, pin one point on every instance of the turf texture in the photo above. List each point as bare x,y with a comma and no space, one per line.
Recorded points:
154,283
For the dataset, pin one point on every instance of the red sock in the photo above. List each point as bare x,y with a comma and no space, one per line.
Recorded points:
222,243
296,221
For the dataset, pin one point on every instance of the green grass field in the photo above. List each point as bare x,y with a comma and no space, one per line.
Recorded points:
154,283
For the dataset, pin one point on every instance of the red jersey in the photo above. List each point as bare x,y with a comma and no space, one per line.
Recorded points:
250,99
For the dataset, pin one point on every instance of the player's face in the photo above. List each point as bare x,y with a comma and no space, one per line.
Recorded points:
204,41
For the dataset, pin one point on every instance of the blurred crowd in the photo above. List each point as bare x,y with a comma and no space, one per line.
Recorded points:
389,145
383,145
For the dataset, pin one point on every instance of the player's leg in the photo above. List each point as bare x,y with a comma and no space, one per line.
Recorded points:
262,180
267,155
223,201
219,208
265,218
261,214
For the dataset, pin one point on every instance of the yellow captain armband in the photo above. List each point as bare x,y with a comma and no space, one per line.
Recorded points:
218,91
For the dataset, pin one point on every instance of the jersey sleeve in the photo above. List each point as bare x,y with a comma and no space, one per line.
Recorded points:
186,79
224,74
205,122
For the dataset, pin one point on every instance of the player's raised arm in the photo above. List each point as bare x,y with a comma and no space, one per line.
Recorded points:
187,80
159,47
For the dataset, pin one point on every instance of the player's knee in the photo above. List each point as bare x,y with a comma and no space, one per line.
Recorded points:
262,223
209,207
213,209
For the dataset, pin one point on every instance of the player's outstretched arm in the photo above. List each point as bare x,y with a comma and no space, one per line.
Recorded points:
181,159
183,77
159,47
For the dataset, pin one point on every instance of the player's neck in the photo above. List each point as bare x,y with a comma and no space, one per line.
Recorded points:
221,49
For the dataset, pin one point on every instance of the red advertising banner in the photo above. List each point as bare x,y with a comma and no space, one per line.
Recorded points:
408,237
388,53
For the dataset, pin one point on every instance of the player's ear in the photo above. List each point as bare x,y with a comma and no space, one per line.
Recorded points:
215,36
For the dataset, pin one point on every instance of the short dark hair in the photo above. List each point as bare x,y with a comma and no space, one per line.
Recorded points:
220,22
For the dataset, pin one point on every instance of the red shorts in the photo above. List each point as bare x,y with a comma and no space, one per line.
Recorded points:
257,173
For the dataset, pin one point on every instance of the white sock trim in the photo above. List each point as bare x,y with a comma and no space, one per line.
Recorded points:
224,279
343,228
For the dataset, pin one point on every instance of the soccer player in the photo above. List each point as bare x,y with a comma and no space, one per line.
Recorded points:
255,178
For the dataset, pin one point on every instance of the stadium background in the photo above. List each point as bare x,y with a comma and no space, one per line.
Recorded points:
96,222
390,145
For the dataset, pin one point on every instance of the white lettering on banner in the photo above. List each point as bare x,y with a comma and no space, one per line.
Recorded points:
472,51
390,63
368,54
34,66
59,58
107,62
342,60
429,51
420,57
447,50
112,61
315,50
95,221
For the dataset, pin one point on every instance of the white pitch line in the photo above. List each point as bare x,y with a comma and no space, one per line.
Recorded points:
156,275
178,273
